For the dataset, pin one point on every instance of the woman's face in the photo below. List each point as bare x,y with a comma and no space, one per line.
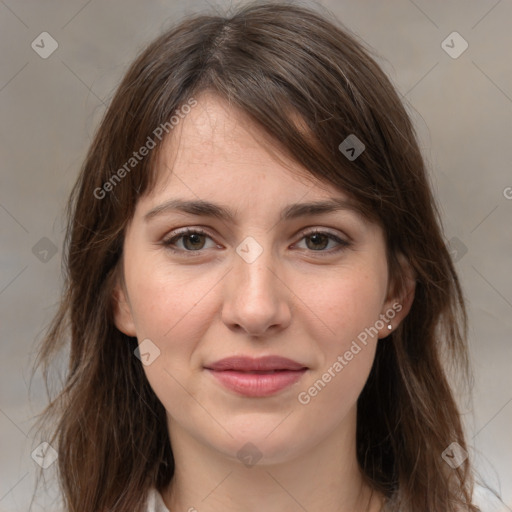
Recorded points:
256,284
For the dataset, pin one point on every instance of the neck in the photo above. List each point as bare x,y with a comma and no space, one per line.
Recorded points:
324,477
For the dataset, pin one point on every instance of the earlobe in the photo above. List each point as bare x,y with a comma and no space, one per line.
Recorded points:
398,305
123,317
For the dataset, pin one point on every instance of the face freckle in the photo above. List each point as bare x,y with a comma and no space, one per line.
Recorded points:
285,300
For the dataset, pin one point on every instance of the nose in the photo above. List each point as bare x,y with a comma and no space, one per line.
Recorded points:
256,297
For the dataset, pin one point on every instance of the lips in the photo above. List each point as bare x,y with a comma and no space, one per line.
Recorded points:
259,377
261,364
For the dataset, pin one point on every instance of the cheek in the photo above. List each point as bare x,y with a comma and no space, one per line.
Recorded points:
165,299
174,309
174,313
345,311
345,304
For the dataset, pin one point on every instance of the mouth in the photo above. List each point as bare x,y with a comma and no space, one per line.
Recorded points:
260,377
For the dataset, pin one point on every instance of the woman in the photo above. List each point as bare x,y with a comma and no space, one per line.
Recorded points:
259,295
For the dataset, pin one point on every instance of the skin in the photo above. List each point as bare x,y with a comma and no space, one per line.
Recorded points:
298,299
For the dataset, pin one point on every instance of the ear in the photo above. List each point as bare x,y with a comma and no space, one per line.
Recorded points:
400,297
123,317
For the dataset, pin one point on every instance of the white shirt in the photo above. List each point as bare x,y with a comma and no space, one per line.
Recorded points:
155,502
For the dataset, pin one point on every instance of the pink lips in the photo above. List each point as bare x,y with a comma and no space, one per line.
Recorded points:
259,377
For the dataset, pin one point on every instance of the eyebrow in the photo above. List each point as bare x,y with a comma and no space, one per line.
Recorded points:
292,211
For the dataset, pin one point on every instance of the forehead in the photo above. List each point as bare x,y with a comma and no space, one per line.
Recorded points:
216,150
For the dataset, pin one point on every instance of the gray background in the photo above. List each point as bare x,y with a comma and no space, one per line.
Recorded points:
50,107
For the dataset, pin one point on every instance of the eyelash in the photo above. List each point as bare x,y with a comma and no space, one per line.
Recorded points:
168,242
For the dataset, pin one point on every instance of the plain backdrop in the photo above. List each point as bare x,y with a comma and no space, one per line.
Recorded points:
460,101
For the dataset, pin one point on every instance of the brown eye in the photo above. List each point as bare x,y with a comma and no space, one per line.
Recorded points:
193,240
318,241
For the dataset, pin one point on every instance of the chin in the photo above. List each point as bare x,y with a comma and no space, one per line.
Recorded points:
262,444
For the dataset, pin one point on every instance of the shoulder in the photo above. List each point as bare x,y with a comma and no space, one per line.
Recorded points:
155,502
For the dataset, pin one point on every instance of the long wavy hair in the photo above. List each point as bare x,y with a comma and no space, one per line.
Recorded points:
280,63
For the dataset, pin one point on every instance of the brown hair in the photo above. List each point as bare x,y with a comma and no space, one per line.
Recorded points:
279,63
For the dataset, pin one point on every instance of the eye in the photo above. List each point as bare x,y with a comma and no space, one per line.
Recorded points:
319,240
193,240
